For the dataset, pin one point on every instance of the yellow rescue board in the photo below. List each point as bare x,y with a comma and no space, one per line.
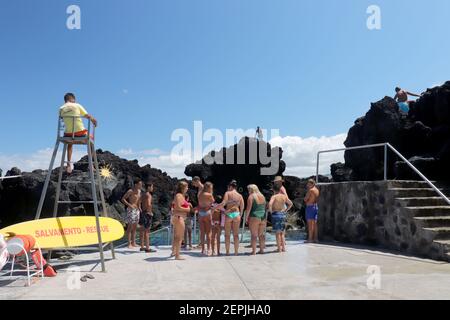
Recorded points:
68,232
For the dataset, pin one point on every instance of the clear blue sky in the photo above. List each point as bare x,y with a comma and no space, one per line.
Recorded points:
147,67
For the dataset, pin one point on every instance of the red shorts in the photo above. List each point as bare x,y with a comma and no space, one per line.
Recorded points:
78,134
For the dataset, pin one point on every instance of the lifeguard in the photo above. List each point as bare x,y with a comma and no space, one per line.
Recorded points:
72,112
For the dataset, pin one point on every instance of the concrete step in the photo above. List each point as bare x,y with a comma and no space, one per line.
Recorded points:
422,201
409,184
440,233
435,211
434,221
443,242
413,192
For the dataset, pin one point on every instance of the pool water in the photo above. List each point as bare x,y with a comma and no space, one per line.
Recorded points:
163,237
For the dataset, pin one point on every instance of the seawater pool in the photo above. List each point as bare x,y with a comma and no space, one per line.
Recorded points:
163,237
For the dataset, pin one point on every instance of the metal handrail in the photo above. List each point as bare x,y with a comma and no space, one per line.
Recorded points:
10,177
386,147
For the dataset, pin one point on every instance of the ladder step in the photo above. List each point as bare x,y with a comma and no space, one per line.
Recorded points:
78,182
83,162
75,202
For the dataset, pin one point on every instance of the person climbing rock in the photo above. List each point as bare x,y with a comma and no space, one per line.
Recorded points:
402,99
71,113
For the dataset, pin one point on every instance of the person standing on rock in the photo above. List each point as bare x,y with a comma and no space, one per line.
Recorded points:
71,113
234,208
259,134
181,209
312,210
256,217
146,218
205,201
402,99
132,200
279,204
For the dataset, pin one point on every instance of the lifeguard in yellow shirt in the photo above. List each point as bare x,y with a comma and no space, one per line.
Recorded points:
72,114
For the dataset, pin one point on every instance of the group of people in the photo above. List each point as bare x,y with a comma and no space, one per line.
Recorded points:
216,214
139,213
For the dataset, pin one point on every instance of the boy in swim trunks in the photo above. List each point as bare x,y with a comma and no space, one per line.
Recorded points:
312,210
146,218
188,229
279,204
72,112
132,200
218,223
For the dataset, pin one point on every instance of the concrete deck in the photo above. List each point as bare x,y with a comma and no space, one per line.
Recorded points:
306,271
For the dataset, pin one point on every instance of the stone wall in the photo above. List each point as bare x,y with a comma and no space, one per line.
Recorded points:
368,213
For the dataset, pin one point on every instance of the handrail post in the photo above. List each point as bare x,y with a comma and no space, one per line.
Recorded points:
385,161
317,167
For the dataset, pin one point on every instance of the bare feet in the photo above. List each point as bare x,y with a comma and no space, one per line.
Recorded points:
179,258
261,252
69,168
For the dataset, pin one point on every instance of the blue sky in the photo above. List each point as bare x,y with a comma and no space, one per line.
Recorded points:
147,67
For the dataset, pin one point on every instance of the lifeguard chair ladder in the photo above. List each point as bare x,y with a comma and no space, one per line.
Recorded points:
94,178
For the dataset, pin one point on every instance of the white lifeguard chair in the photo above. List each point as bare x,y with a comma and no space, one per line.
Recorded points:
65,139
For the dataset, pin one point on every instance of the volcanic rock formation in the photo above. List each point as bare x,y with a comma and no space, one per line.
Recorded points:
423,137
249,172
19,197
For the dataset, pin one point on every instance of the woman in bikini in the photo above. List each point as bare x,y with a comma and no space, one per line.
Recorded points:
181,208
205,201
234,207
256,217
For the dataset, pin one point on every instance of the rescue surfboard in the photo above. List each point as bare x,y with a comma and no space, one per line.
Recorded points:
68,232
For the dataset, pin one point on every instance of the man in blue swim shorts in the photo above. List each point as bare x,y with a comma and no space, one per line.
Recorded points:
312,210
402,99
279,204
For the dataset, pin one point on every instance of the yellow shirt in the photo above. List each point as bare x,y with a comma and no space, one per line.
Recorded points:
70,109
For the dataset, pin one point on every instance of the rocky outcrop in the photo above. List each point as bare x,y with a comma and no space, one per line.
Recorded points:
242,162
250,173
423,137
19,197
